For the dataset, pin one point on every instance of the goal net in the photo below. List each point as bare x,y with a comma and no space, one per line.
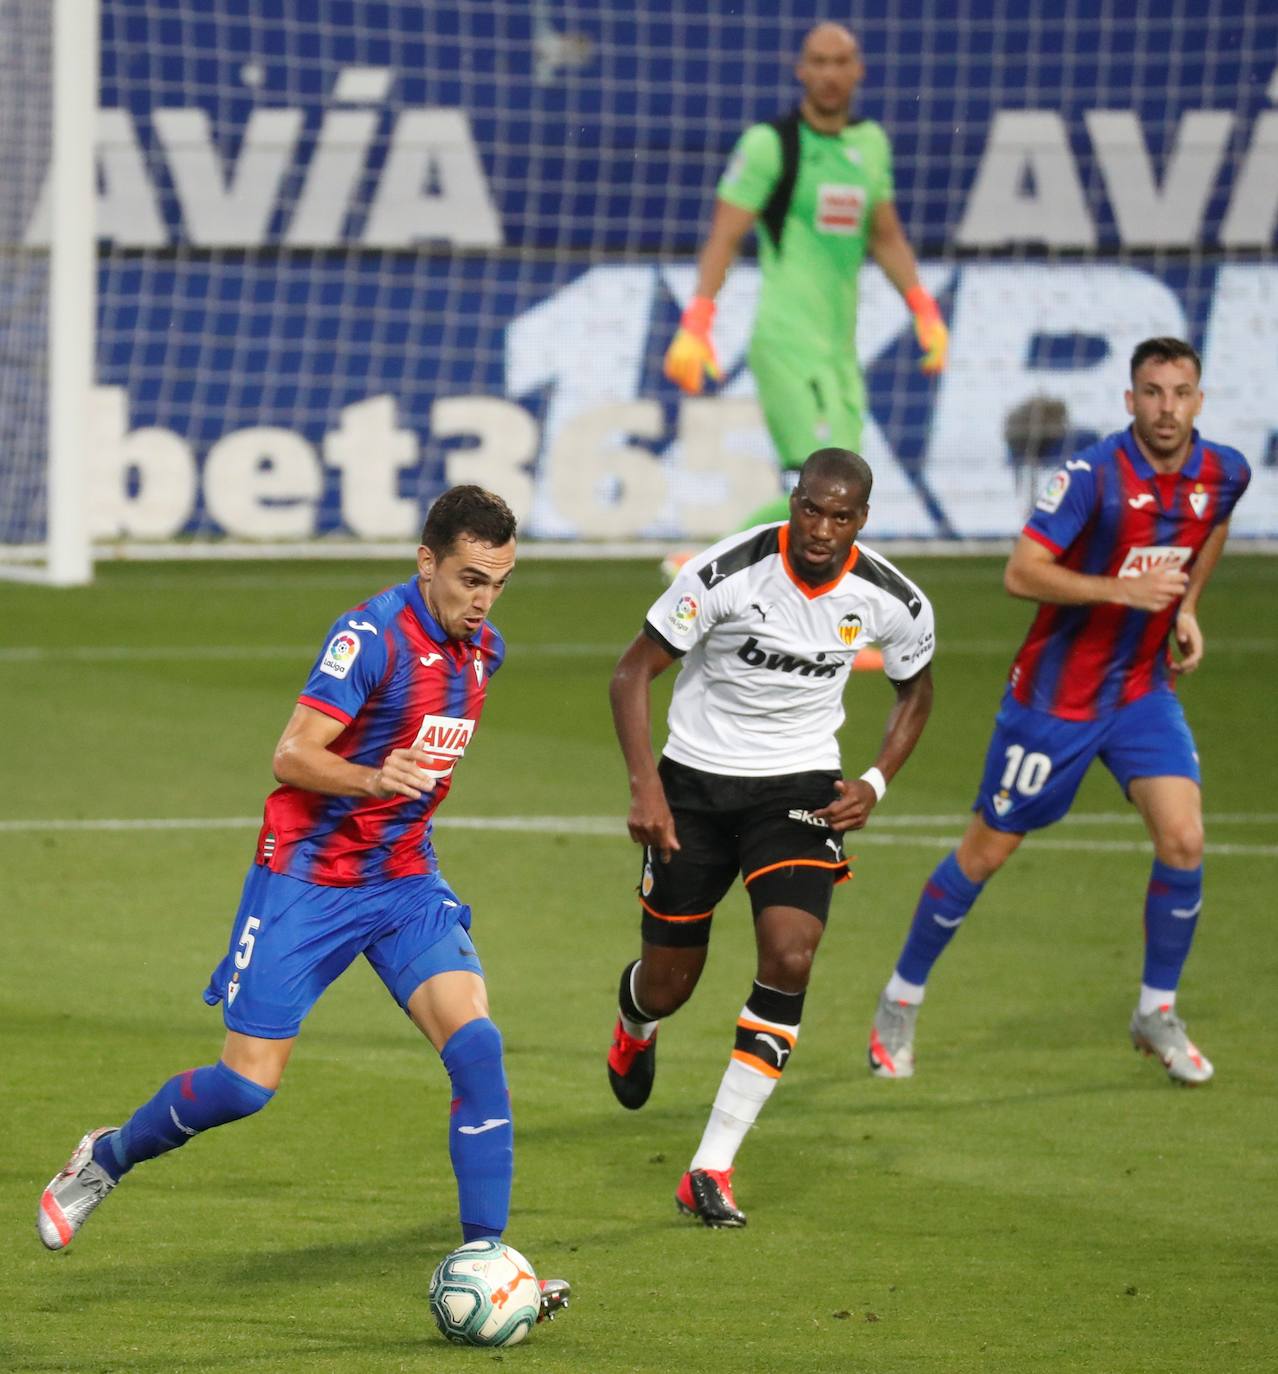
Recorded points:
352,252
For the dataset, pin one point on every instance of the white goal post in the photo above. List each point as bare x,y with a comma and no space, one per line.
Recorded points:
50,66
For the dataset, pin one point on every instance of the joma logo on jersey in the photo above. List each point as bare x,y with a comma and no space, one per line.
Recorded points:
446,737
756,657
1149,557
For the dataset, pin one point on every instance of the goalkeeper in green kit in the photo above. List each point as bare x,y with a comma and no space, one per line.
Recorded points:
817,184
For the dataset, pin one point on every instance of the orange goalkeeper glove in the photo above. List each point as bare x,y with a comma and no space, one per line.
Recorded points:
929,329
691,353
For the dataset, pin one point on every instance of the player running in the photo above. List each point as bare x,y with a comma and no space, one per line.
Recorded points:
1117,553
345,865
817,183
765,625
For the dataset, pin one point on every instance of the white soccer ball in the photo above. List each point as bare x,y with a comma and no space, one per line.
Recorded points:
485,1293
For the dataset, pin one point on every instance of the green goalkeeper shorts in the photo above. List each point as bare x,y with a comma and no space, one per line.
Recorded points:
807,404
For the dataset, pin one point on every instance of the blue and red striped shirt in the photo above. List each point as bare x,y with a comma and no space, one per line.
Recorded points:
395,680
1109,513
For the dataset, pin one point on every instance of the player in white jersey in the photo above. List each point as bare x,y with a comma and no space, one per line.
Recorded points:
765,625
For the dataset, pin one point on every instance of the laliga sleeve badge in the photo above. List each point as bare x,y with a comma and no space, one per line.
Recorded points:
1054,492
342,651
682,618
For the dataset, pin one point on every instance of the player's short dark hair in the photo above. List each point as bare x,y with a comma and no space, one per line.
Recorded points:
840,464
1165,350
471,510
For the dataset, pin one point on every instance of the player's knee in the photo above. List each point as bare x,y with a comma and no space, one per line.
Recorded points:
239,1096
661,992
787,969
1181,845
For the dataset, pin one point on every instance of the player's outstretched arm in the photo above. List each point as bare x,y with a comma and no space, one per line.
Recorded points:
303,759
691,355
891,250
630,693
1033,573
856,797
1189,637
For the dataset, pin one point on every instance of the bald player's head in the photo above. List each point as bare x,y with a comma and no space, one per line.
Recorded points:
829,69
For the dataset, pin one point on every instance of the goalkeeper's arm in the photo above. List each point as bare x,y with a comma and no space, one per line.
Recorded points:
691,353
891,250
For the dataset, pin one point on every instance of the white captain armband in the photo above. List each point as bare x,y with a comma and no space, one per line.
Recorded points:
876,781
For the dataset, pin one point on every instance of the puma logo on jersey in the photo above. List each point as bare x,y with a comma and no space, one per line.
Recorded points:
712,574
1137,502
756,657
834,846
763,610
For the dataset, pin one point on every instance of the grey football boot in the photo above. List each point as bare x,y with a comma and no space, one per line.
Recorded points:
1162,1033
891,1052
73,1194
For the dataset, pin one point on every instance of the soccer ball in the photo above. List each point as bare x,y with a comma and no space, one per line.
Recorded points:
485,1293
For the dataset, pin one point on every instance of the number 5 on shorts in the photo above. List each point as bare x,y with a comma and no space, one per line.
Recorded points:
245,952
1026,772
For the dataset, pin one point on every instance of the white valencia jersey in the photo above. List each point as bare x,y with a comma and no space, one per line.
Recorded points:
765,657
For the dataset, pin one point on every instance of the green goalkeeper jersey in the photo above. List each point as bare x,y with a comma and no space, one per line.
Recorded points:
808,298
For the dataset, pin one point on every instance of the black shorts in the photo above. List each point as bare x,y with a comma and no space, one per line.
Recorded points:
761,828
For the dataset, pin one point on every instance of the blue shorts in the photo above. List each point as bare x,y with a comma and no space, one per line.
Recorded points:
1036,761
291,939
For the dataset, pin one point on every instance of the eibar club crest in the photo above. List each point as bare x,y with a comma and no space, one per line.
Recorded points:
1198,499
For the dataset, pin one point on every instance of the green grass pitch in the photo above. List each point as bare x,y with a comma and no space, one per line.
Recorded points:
1038,1198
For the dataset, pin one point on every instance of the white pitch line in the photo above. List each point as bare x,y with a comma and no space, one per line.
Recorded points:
609,827
150,653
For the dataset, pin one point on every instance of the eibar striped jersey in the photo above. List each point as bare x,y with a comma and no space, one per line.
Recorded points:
395,680
1109,513
765,658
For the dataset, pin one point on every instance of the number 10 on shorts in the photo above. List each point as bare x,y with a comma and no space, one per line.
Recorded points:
247,937
1026,772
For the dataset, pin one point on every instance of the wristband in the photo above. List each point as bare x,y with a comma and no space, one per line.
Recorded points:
876,781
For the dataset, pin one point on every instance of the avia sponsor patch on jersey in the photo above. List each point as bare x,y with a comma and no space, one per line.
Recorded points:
1148,557
751,653
446,738
840,208
849,629
342,651
684,615
1053,492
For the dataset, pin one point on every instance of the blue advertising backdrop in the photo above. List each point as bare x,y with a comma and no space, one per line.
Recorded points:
354,251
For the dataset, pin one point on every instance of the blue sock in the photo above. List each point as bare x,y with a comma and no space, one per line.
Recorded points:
1172,903
481,1139
186,1105
946,898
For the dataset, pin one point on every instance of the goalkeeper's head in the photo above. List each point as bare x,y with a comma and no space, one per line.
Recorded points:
830,69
